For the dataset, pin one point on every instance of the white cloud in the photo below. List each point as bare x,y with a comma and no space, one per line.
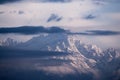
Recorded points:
37,14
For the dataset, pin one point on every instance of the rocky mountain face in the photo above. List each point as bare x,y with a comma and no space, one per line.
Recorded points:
84,58
9,43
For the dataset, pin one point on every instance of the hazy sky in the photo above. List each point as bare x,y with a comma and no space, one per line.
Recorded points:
75,15
70,14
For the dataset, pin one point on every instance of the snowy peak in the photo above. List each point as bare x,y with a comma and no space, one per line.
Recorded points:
61,42
9,42
111,54
46,42
84,58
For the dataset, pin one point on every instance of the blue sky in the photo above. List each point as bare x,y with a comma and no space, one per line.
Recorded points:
69,14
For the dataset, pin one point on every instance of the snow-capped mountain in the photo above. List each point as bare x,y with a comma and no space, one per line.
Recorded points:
59,42
9,42
84,58
62,42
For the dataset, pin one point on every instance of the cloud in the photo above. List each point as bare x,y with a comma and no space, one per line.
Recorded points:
2,12
54,17
8,1
103,32
70,15
55,0
98,32
39,13
31,30
97,2
90,16
43,1
20,12
16,12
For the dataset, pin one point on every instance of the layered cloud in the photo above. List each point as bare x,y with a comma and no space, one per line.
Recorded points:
38,13
8,1
66,13
31,30
98,33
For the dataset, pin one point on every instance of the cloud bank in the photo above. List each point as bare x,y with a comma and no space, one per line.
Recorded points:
98,33
31,30
40,29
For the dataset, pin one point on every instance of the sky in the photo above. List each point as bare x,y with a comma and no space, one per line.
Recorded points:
96,21
68,14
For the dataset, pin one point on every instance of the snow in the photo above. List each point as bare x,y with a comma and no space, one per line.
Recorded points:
83,57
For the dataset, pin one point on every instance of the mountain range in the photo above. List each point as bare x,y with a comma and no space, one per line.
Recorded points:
84,58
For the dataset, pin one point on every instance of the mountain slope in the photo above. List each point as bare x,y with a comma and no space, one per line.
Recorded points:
83,58
58,42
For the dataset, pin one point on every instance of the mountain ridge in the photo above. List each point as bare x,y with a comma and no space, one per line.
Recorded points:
84,58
